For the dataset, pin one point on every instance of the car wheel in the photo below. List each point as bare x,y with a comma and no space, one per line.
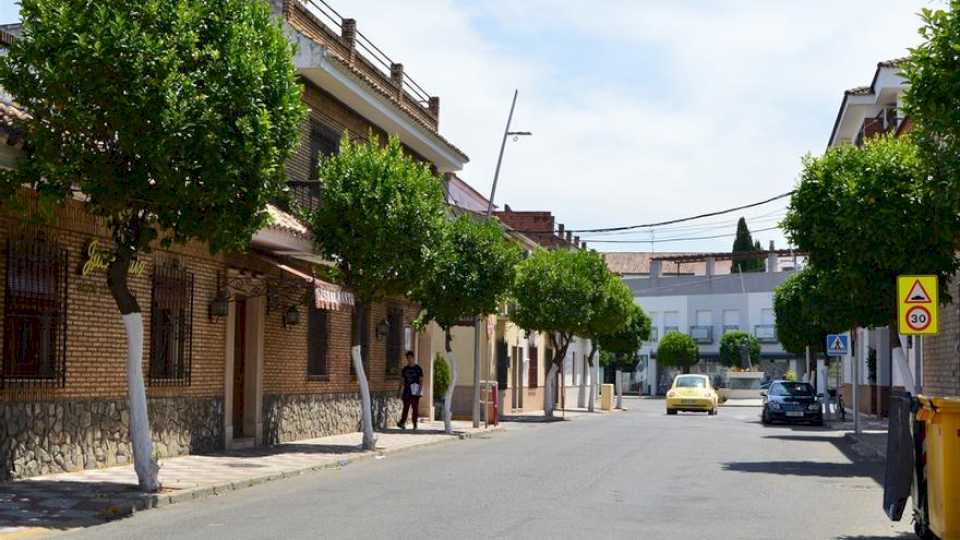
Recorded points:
818,423
764,418
671,411
712,412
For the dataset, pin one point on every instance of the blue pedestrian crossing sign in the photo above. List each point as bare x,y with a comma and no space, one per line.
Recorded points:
838,345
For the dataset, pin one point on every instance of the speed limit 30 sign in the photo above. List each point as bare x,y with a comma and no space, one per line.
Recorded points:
917,305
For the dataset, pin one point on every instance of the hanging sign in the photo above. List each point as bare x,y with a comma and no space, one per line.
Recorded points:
917,305
97,259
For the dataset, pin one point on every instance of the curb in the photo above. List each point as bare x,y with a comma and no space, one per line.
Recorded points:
150,501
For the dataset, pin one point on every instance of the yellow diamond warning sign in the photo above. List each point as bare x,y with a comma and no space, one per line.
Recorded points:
917,305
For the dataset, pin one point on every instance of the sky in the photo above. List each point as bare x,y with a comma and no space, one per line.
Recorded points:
641,110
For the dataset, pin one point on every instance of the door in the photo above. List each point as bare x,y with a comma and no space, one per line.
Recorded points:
517,378
239,365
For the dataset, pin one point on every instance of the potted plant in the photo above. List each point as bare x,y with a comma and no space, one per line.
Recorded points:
441,381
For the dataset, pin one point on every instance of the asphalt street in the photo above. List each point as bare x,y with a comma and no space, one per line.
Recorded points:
637,474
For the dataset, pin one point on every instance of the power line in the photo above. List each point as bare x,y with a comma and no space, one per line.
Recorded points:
664,240
715,224
691,218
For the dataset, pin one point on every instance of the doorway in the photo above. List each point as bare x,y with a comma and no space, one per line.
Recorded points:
239,365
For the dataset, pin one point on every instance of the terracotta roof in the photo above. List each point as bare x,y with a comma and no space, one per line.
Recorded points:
859,91
282,221
380,90
896,62
639,263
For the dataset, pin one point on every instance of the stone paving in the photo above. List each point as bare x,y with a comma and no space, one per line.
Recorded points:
69,500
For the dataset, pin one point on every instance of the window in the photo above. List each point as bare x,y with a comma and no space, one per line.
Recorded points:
697,381
702,331
324,141
34,316
671,322
360,324
534,368
171,324
731,320
394,340
317,330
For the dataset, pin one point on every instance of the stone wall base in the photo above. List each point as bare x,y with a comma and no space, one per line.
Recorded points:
65,436
295,417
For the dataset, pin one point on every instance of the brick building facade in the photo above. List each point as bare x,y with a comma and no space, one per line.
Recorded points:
248,354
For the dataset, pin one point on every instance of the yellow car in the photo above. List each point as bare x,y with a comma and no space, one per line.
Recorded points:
692,393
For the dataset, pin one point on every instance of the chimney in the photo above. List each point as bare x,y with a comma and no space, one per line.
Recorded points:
434,107
576,241
396,74
560,228
654,272
711,265
583,245
772,258
569,237
348,32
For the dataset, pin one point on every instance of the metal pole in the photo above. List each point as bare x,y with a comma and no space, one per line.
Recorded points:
918,364
476,321
857,360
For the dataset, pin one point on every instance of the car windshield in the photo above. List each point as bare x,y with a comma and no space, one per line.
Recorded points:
791,389
691,382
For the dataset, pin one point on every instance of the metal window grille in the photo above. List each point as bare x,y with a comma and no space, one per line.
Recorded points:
35,314
317,329
361,323
324,141
394,340
534,368
171,326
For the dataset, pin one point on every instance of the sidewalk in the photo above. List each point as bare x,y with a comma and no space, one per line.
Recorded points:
56,502
872,440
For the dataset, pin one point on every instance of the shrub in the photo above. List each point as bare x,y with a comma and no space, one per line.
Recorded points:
441,376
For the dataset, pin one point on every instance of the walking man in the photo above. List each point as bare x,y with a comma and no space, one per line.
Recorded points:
411,377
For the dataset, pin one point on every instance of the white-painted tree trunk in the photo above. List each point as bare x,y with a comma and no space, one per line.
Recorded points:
366,414
548,402
143,460
619,381
448,396
594,376
582,394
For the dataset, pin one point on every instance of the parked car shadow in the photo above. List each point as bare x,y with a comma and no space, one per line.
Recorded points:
892,537
809,468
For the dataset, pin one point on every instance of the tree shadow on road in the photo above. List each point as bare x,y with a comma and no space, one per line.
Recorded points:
875,537
62,505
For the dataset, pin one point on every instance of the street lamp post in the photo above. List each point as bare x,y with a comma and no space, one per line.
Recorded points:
477,326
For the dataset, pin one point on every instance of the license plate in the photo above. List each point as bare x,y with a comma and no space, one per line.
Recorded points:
689,402
794,413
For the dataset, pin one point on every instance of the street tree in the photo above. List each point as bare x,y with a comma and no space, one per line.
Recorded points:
625,343
744,243
612,305
381,220
556,292
172,119
932,98
470,272
736,347
866,215
809,305
678,350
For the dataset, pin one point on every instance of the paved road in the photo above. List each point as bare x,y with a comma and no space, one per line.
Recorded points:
638,474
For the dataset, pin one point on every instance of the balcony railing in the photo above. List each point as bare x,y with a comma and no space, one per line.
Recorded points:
668,329
765,333
702,334
731,328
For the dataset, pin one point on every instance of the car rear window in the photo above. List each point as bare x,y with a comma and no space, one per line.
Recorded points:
791,389
691,382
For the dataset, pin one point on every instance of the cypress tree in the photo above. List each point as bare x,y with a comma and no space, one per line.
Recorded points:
743,243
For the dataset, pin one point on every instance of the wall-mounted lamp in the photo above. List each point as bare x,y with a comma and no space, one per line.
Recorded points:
220,305
383,328
291,317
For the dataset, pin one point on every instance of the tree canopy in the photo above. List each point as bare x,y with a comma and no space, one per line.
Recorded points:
933,97
744,243
809,305
732,345
677,350
557,291
174,119
866,215
627,340
382,217
469,273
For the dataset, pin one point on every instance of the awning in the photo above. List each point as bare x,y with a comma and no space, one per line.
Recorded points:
326,295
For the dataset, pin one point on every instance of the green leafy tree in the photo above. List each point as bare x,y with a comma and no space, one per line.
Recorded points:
173,119
732,348
744,243
441,375
557,292
612,306
809,305
381,220
933,97
471,271
678,350
625,343
866,215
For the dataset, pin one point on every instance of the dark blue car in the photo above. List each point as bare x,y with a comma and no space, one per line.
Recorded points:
788,401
